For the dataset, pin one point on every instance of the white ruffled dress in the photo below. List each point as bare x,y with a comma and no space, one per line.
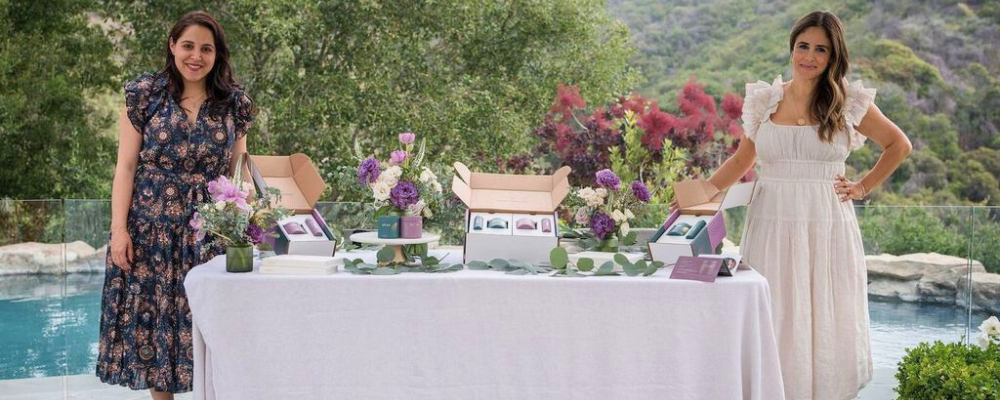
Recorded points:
806,242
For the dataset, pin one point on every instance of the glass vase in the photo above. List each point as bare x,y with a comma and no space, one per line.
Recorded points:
609,245
239,258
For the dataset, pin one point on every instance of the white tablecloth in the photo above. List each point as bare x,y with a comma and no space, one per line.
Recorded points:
480,335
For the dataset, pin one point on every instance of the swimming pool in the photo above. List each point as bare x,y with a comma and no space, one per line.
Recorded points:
49,326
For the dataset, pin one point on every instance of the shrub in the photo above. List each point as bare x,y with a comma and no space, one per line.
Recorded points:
949,371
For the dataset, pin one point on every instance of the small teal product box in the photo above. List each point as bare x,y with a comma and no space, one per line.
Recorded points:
388,227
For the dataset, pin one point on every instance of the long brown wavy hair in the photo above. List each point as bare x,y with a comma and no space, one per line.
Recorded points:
220,84
830,96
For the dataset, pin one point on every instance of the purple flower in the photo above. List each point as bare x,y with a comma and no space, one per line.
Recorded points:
602,225
255,233
197,223
397,157
221,189
404,194
640,191
368,171
407,138
608,179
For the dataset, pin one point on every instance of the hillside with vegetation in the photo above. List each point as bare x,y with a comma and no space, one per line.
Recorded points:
935,65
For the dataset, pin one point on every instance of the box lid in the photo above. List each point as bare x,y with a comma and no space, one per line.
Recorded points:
510,193
700,197
298,179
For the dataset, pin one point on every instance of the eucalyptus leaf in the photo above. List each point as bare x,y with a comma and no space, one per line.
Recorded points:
517,272
658,264
622,260
350,267
530,268
651,269
630,269
499,264
477,265
559,258
588,243
384,271
385,254
430,260
629,239
585,264
606,268
367,267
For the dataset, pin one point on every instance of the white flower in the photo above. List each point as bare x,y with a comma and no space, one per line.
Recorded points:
391,176
415,208
983,340
427,176
602,192
617,216
625,228
380,190
428,213
436,186
591,197
628,214
991,327
220,205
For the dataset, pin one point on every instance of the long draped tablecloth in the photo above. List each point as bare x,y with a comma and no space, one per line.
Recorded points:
480,335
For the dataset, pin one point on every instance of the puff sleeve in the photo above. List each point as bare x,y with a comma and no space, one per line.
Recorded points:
244,114
761,100
138,94
859,99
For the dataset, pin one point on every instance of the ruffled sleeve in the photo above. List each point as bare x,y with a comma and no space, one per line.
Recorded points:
244,115
139,95
760,102
859,99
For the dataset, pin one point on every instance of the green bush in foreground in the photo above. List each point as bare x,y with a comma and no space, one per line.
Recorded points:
949,371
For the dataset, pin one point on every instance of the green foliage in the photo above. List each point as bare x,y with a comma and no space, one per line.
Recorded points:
467,75
510,267
949,371
53,64
634,161
896,62
910,230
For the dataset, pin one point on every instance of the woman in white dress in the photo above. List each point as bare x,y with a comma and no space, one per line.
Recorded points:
801,232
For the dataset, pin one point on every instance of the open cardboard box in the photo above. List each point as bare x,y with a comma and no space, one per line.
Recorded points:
301,186
698,200
510,194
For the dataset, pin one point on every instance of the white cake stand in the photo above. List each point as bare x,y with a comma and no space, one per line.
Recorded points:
396,244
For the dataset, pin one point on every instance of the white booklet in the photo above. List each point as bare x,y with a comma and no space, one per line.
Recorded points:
290,264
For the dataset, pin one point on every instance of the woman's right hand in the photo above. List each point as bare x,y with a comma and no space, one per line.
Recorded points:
122,254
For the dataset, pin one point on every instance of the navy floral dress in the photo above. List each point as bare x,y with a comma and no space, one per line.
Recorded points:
145,340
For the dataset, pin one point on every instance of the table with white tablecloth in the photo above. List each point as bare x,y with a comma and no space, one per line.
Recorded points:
480,335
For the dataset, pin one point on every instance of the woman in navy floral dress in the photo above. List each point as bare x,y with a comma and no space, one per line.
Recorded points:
180,129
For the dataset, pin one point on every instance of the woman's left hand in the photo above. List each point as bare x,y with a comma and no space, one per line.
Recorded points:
848,190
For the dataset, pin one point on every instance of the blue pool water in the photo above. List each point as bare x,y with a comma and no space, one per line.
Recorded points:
49,326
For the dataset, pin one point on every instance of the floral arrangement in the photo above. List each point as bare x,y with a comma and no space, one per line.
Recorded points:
989,332
233,215
401,185
608,208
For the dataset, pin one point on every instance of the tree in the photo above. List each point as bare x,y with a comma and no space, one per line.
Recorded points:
53,62
467,75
